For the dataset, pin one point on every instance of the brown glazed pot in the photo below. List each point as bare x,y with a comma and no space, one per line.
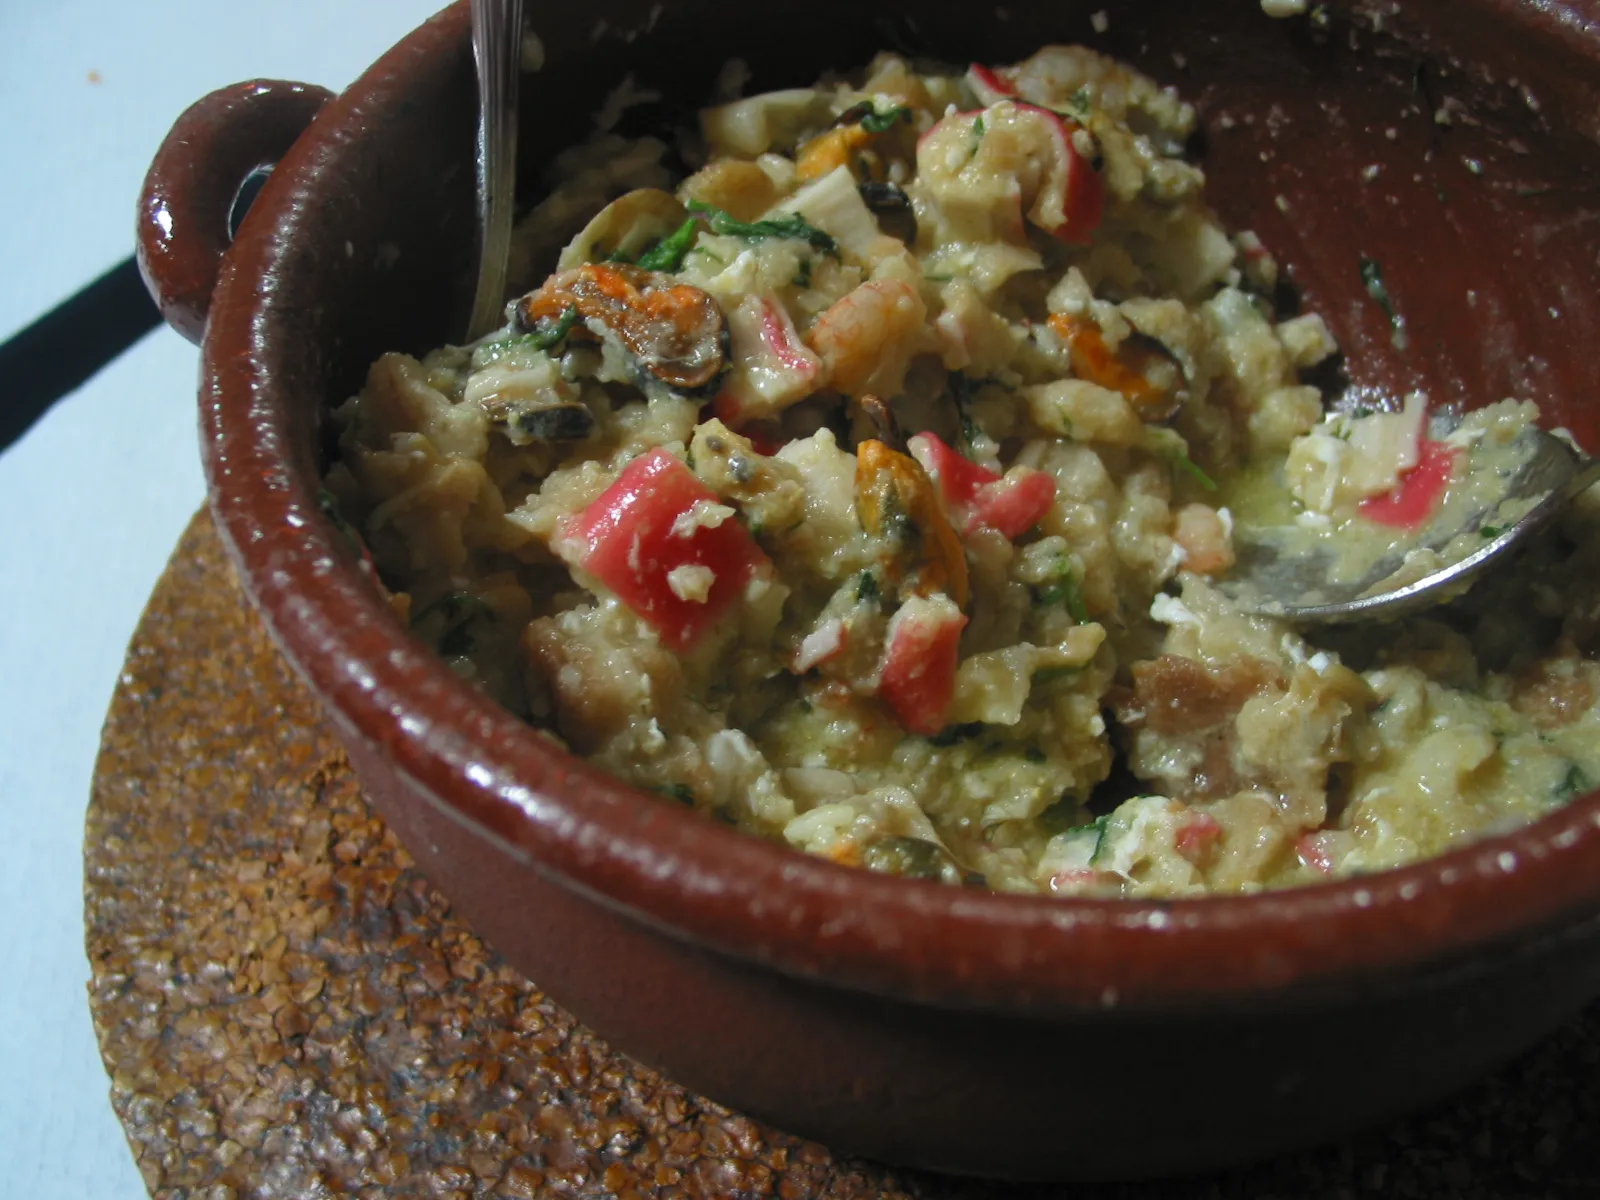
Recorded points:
972,1032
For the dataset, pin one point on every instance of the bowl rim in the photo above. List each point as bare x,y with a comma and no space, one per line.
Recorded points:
743,896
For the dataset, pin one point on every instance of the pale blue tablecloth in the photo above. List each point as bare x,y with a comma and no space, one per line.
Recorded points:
94,498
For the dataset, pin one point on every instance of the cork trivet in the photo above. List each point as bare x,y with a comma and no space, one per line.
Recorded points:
287,1008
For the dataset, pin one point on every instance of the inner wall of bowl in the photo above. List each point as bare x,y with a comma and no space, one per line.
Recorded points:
1336,144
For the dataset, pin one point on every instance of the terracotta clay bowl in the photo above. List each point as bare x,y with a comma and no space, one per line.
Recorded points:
1452,141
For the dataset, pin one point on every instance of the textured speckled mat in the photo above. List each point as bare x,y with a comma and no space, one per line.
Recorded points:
288,1009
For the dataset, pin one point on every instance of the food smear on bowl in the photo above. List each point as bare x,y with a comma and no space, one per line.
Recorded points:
869,488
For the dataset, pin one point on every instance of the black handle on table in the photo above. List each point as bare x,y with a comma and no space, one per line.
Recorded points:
67,345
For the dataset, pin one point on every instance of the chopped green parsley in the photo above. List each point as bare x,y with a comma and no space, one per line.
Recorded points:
881,122
668,254
786,225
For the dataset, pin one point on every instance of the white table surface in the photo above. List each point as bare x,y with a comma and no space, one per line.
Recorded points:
96,494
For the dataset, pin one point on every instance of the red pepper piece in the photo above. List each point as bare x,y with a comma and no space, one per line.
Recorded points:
640,529
1082,192
987,84
919,666
1197,839
1411,502
1012,504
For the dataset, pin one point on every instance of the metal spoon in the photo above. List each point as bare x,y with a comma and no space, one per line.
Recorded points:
497,50
1297,586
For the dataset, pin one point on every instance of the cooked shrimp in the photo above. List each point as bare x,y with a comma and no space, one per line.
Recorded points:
1206,538
867,338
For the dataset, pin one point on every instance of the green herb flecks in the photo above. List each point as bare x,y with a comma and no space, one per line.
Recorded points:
546,333
1054,820
681,792
1080,104
977,138
1033,754
802,275
458,610
1060,816
668,254
328,503
1372,278
1100,825
1574,783
1490,531
454,606
882,122
867,589
788,225
915,858
1189,467
1062,588
961,390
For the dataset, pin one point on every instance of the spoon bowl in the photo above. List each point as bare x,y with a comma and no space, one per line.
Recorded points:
1300,581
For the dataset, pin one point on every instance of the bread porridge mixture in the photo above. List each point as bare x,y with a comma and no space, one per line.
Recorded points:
866,489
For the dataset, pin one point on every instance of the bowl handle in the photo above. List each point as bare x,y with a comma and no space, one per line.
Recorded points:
218,143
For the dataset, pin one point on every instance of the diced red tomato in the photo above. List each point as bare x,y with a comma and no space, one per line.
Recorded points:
642,528
1011,504
1314,853
1198,838
918,680
1416,497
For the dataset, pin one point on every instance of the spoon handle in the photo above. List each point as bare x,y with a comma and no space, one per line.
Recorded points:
1584,478
497,49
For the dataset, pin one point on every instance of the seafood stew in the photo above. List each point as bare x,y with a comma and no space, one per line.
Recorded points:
867,486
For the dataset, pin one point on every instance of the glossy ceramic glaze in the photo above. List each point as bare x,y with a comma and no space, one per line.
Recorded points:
1014,1036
